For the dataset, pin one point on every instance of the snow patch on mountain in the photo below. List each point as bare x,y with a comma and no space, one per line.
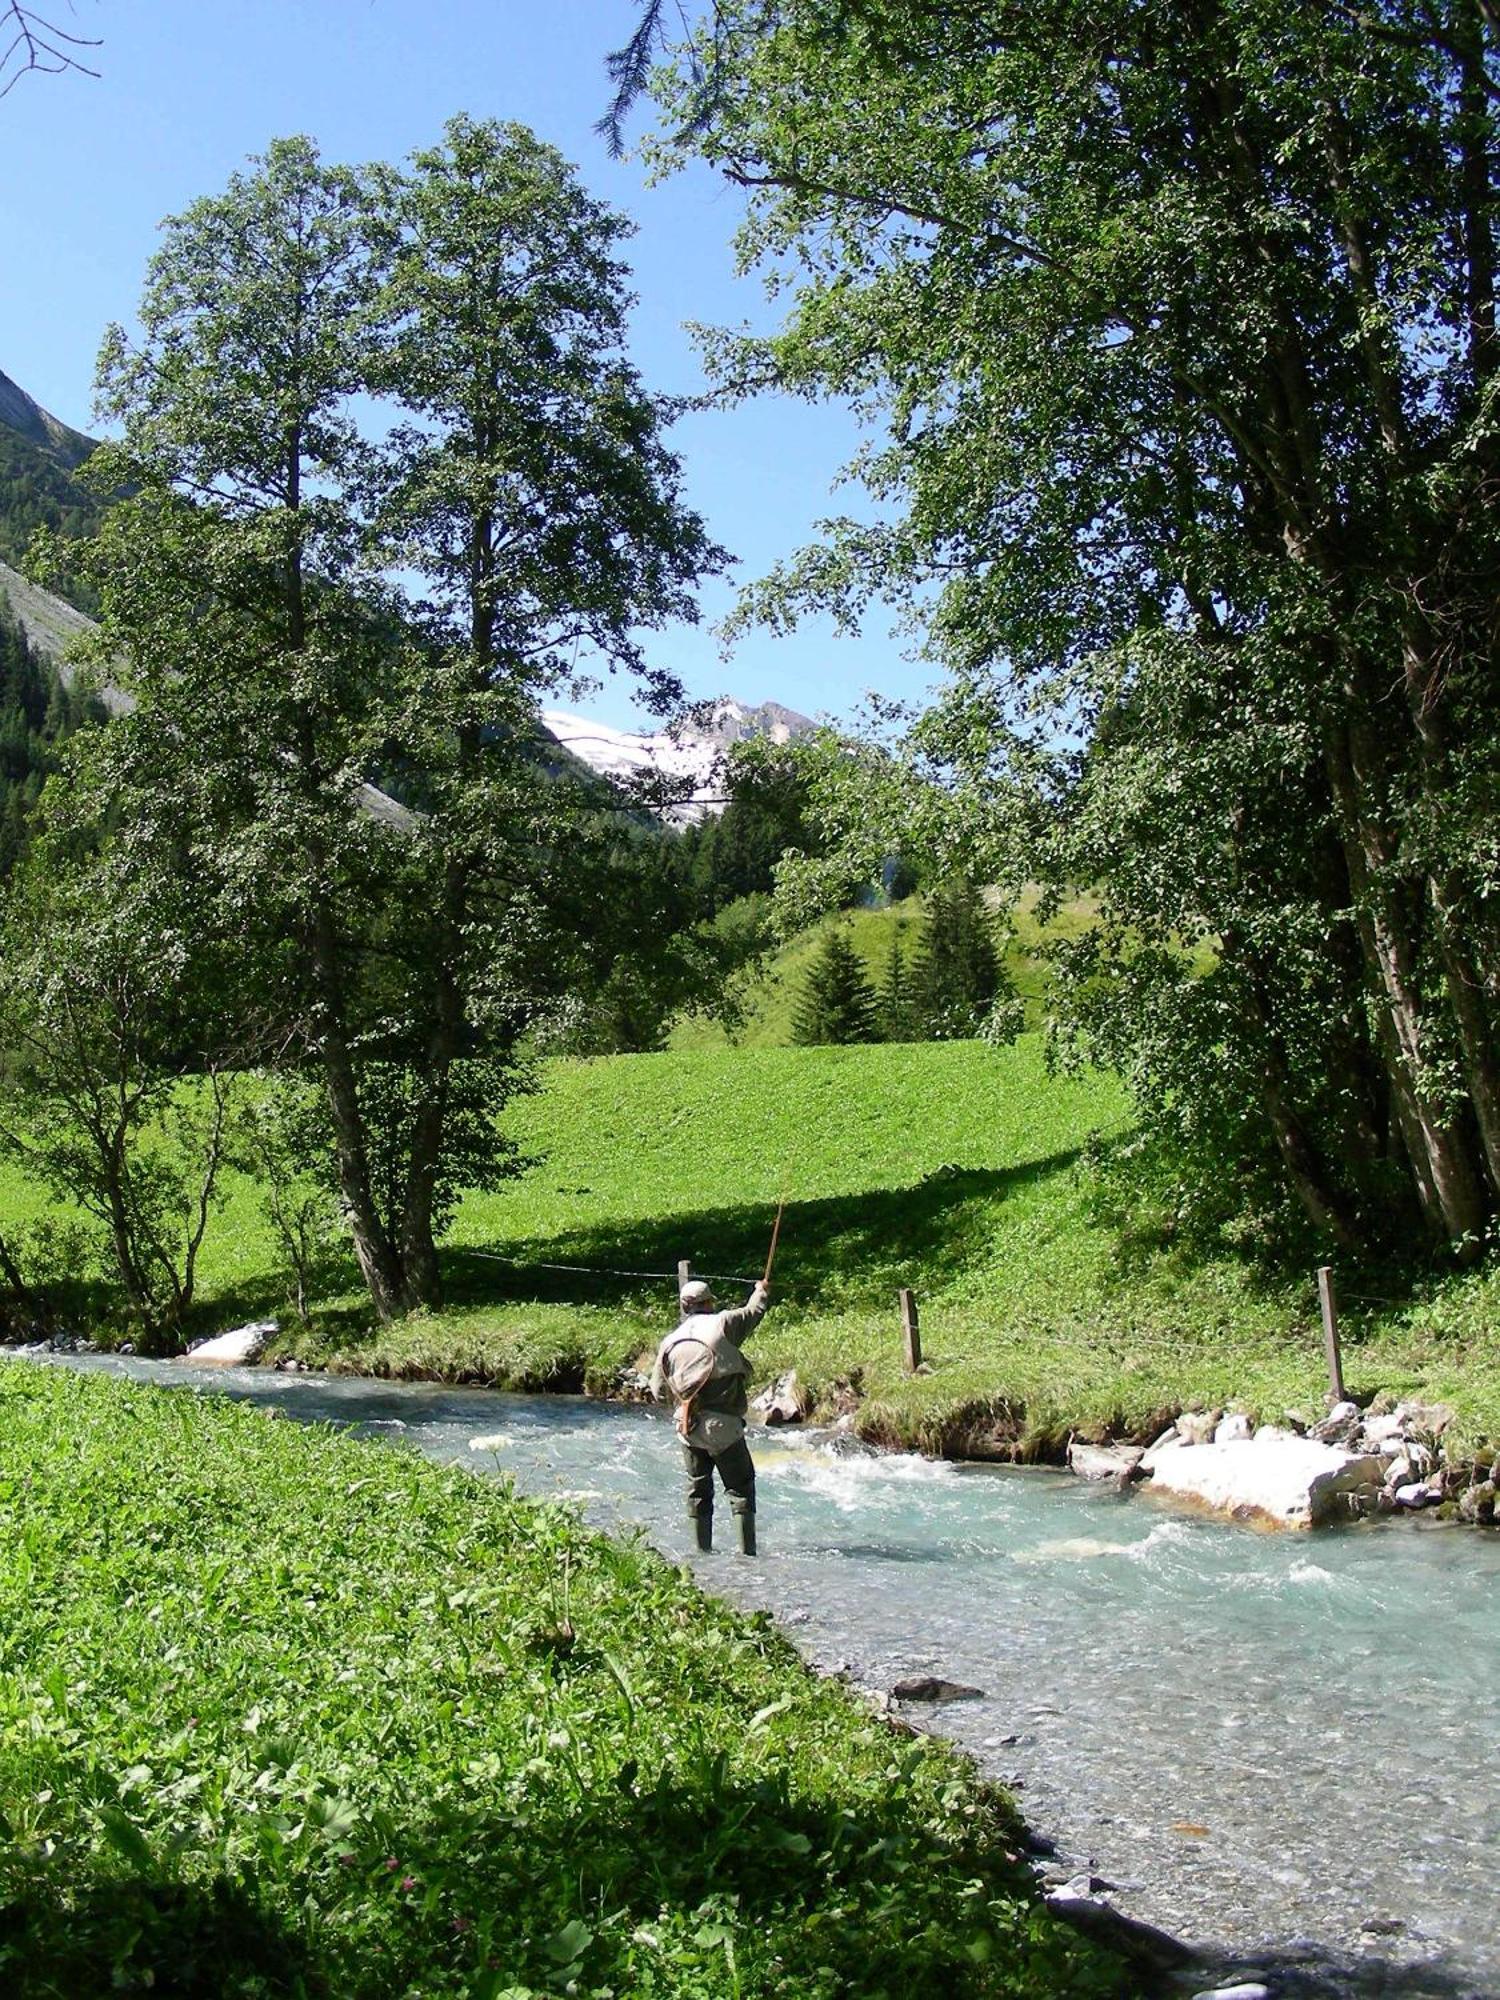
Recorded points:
687,756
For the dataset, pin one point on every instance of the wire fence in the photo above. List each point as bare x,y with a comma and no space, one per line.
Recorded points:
606,1270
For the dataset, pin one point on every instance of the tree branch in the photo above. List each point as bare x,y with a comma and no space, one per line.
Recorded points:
36,43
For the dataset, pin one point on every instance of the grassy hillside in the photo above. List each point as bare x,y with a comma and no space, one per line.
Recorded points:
772,997
286,1713
965,1172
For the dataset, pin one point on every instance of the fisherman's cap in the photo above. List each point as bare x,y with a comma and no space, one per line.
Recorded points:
695,1296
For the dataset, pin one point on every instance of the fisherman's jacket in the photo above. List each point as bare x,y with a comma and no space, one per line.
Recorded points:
701,1359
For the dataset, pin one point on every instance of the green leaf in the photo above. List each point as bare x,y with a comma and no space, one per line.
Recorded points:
570,1943
763,1715
122,1833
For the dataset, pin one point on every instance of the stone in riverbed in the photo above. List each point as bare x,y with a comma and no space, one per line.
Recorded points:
1119,1462
1427,1420
1197,1427
1386,1428
235,1349
927,1687
1153,1950
1340,1426
1235,1428
1272,1479
782,1402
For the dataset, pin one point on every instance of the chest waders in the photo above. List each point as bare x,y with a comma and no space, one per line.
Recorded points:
706,1371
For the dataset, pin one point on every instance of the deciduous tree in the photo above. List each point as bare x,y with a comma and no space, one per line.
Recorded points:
1181,325
340,374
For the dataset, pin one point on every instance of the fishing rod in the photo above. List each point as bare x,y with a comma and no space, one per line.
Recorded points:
775,1235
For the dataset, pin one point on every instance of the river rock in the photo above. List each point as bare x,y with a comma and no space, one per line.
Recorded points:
1247,1989
1419,1493
1272,1479
1387,1428
1425,1420
235,1349
1477,1503
1119,1462
782,1403
1235,1428
927,1687
1153,1950
1340,1426
1197,1427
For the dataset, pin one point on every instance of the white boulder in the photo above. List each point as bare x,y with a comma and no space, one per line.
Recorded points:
235,1349
1273,1479
782,1402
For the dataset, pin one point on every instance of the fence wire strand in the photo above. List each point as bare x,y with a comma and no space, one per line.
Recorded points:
606,1270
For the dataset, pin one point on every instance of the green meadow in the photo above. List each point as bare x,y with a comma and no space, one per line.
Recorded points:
286,1713
970,1174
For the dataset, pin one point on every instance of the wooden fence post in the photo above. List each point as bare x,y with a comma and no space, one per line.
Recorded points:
910,1334
684,1272
1330,1311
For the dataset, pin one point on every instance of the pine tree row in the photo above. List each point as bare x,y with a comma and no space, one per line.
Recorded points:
945,990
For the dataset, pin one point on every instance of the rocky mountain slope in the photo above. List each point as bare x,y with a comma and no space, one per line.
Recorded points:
26,417
687,758
39,456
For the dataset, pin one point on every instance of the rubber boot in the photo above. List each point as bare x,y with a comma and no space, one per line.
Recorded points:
703,1525
746,1526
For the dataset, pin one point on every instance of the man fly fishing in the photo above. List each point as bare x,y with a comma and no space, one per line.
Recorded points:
702,1366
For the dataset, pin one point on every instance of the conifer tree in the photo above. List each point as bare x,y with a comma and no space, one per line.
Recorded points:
897,1012
956,972
837,1003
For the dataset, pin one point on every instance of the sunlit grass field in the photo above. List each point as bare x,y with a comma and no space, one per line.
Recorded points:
282,1712
968,1173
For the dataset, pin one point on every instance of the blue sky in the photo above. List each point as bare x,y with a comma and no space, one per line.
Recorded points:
189,88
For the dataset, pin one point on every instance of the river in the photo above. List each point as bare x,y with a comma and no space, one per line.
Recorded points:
1284,1747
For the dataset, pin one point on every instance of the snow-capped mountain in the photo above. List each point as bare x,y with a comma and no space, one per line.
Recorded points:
687,755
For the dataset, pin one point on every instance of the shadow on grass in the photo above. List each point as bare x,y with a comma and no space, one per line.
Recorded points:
477,1901
838,1251
106,1933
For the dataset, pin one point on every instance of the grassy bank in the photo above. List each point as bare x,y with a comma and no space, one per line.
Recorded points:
285,1713
965,1172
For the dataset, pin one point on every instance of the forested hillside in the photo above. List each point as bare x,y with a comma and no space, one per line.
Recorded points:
38,458
36,712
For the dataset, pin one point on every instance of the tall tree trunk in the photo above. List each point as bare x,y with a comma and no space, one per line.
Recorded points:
379,1261
1326,1204
10,1271
419,1256
1436,1142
